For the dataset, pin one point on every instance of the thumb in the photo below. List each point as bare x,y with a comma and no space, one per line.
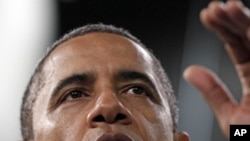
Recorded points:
212,89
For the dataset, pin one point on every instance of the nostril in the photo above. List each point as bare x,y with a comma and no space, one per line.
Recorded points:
99,118
120,117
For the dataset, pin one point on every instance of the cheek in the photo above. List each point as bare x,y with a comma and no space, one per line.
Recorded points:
62,124
154,121
71,121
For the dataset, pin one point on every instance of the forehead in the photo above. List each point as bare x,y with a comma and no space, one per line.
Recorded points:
99,41
98,50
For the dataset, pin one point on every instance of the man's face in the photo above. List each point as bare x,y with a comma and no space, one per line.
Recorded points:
100,86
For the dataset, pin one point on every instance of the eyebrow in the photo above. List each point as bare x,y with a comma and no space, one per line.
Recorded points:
130,75
73,79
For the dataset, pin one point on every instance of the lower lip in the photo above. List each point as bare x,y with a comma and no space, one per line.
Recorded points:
114,137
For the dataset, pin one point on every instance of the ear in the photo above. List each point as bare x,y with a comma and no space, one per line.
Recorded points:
181,136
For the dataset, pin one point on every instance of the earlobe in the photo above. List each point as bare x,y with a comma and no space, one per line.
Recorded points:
181,136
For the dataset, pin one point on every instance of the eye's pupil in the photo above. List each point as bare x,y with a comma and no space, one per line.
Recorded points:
76,94
137,90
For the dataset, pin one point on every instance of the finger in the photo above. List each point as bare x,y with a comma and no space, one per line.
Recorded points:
217,25
244,74
181,136
238,45
217,12
238,14
239,54
241,57
212,89
214,92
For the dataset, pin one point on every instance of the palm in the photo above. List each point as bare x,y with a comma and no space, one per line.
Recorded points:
230,21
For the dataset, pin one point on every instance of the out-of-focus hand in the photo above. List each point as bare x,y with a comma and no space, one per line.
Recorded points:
230,21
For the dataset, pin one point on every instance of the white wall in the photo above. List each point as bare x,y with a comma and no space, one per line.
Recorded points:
26,28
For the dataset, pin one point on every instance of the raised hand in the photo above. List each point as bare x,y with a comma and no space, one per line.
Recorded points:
230,21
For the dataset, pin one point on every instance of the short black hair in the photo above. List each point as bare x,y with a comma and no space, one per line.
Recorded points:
36,82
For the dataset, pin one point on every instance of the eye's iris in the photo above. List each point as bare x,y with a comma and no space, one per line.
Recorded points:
137,90
76,94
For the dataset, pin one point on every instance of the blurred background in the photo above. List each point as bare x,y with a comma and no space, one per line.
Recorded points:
170,28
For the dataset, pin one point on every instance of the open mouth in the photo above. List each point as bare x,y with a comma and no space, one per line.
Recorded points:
114,137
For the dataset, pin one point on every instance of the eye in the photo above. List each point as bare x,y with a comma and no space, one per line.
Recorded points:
75,94
137,90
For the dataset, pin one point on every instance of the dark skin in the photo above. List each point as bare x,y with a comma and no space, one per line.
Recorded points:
99,87
230,21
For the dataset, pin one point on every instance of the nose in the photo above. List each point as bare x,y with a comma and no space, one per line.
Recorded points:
108,110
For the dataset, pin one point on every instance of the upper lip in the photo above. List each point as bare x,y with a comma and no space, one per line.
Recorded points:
114,137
